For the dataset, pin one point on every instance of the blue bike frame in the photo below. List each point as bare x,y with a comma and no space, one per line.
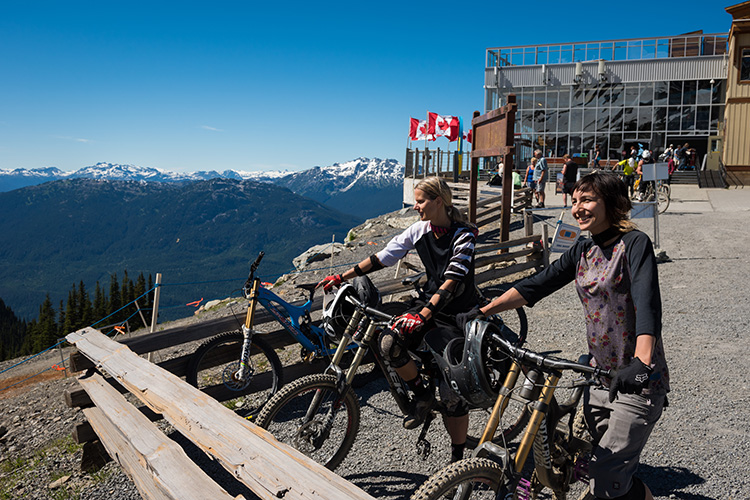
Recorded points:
289,316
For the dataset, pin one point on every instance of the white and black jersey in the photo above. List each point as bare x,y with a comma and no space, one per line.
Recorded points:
448,257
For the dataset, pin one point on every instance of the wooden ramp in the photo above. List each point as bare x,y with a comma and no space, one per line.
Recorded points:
158,466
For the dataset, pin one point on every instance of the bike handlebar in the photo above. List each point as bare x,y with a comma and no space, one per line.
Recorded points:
545,361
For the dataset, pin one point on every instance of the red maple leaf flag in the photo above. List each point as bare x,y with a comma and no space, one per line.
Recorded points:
446,126
418,130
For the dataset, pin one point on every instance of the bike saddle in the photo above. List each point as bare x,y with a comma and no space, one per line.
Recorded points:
412,280
307,286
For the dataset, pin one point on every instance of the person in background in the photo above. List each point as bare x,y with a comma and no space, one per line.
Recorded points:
517,181
570,176
597,156
541,173
444,241
617,282
682,157
642,186
529,176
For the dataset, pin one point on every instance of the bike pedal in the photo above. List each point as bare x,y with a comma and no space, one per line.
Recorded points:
424,448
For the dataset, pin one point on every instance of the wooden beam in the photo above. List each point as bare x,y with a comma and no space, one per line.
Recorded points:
158,466
508,244
269,468
492,274
503,257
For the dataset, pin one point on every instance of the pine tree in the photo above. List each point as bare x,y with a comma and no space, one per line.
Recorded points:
115,300
71,312
100,304
85,311
61,322
46,334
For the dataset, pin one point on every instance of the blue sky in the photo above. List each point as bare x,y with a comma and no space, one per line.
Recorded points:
189,86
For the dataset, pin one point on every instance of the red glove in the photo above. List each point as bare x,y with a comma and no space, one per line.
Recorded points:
406,324
330,282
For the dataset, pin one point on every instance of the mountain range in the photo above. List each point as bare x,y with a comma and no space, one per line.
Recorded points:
201,234
362,187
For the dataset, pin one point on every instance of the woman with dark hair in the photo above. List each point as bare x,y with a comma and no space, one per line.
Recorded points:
616,278
444,241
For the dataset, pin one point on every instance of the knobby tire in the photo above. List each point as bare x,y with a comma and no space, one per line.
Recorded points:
284,416
482,474
212,367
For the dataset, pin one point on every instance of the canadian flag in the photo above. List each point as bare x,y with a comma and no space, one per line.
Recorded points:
418,130
446,126
467,135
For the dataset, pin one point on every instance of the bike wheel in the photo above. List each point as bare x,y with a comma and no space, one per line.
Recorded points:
662,201
475,478
518,322
214,366
310,415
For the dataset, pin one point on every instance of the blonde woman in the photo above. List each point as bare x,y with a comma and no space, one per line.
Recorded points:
445,243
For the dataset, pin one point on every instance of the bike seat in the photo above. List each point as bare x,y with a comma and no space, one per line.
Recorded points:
412,280
307,286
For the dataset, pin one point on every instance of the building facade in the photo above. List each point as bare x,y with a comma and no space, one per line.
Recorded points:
649,92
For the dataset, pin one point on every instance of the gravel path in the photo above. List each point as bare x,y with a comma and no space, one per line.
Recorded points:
699,450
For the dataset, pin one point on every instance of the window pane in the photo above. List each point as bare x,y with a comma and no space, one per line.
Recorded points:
660,118
615,146
579,53
516,57
562,120
649,49
605,51
577,98
529,56
647,94
630,119
590,97
618,95
645,117
576,120
657,143
539,120
688,92
588,143
551,121
675,93
615,120
592,51
631,94
566,54
661,93
589,120
541,55
662,48
539,99
563,100
602,119
551,99
621,51
745,65
604,96
702,118
575,144
688,118
562,145
673,118
554,55
717,93
527,125
634,50
704,92
717,115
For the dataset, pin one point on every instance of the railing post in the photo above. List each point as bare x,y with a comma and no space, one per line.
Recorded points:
155,312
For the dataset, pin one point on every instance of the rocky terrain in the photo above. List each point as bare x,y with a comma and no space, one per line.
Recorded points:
699,450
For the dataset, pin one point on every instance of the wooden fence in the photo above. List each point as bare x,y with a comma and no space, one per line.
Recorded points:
156,464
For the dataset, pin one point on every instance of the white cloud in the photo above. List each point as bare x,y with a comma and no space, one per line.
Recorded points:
74,139
206,127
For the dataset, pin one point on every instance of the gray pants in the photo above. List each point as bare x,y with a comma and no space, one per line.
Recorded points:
620,431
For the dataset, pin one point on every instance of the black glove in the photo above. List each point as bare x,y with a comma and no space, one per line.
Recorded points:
630,379
463,319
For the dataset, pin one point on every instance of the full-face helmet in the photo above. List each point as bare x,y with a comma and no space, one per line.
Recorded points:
337,310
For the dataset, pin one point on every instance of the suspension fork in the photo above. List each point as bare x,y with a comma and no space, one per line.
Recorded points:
501,403
247,332
540,407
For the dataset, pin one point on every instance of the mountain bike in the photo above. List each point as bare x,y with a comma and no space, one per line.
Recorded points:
658,190
243,363
320,414
555,434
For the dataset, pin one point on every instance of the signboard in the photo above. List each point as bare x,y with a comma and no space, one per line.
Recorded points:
565,235
643,210
655,171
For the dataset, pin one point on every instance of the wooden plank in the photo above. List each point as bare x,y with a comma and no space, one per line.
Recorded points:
503,257
509,244
158,466
492,274
269,468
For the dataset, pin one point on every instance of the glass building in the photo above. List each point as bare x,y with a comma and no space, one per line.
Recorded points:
617,93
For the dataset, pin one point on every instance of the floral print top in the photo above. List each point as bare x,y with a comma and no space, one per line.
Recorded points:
619,288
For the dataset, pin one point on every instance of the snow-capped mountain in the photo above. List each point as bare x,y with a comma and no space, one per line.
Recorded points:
362,187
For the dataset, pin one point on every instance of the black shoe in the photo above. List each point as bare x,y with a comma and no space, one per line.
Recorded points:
420,406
